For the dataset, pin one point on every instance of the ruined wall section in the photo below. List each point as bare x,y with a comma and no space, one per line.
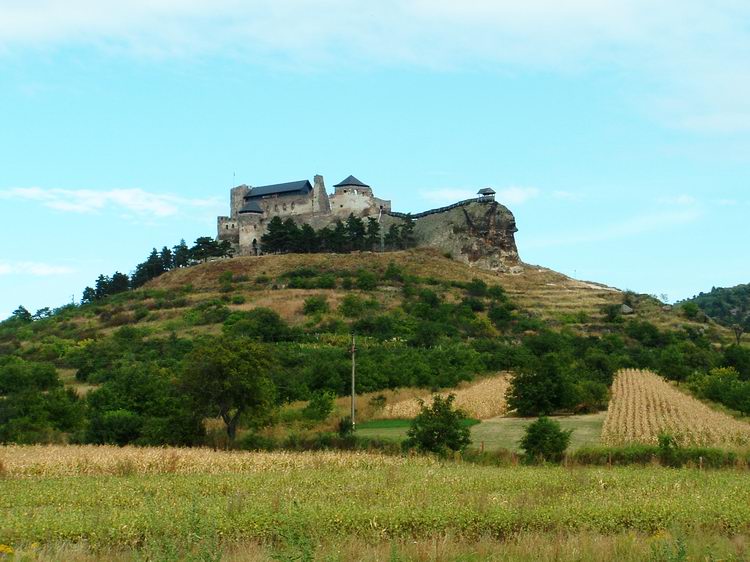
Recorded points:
356,200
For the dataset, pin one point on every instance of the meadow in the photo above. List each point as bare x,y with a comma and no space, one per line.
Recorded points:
138,501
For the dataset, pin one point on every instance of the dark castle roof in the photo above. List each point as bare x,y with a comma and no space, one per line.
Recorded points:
351,180
251,207
301,186
486,191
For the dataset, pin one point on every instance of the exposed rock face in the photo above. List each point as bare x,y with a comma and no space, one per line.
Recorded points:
478,233
481,234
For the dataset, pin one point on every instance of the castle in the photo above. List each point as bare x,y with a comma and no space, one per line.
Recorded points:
477,231
253,207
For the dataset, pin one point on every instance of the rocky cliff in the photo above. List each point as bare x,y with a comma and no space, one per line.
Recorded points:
480,233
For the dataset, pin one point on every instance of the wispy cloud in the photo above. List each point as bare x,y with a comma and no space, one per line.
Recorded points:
509,196
691,55
136,202
36,269
632,226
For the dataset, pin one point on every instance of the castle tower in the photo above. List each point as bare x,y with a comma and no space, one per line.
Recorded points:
237,199
321,204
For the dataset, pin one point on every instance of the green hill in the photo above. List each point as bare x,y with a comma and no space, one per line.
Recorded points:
143,361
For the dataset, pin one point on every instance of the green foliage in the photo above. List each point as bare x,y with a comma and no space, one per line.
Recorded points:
231,379
729,306
210,312
320,405
354,306
366,280
262,324
545,441
438,428
315,304
690,310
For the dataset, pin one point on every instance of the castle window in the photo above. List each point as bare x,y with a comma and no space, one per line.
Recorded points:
292,205
284,206
226,227
275,207
341,206
355,192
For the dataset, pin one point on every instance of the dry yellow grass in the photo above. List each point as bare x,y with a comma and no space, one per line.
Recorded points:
482,400
643,405
21,461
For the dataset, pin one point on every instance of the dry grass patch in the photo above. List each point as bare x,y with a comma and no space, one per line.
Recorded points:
643,405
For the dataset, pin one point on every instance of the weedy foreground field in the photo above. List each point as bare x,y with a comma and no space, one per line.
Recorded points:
643,405
107,498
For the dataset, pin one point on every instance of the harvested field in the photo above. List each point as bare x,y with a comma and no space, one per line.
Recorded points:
482,400
643,405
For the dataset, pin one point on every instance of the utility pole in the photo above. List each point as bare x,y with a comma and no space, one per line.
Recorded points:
354,351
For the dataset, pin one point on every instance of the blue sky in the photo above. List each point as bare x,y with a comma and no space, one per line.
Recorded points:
617,132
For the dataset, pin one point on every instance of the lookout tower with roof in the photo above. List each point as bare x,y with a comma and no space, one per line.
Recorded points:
486,194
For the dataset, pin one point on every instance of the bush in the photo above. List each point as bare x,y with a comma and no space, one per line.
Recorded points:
353,306
366,280
439,428
315,304
320,406
211,312
477,288
260,323
238,299
545,441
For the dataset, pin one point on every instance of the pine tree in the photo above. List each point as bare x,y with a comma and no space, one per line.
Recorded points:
355,231
181,255
119,283
102,286
373,234
167,259
274,238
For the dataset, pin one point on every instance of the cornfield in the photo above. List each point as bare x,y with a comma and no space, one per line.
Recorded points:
643,405
90,460
481,400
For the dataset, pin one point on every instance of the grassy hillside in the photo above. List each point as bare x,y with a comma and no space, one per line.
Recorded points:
729,306
422,321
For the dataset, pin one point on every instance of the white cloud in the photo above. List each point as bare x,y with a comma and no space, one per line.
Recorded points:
135,201
36,269
691,55
507,196
633,226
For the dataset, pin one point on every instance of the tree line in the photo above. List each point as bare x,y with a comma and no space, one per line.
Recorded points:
157,263
354,234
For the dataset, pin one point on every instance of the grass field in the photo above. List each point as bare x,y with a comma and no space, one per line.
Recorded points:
165,504
499,433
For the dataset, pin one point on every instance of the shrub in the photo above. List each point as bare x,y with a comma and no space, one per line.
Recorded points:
476,288
320,405
238,299
211,312
353,306
545,440
261,323
366,280
315,304
439,428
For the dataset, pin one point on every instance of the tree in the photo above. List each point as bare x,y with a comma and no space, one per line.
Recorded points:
544,440
231,379
542,387
205,247
167,258
372,237
274,239
355,230
181,255
439,428
88,296
308,239
22,315
119,283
